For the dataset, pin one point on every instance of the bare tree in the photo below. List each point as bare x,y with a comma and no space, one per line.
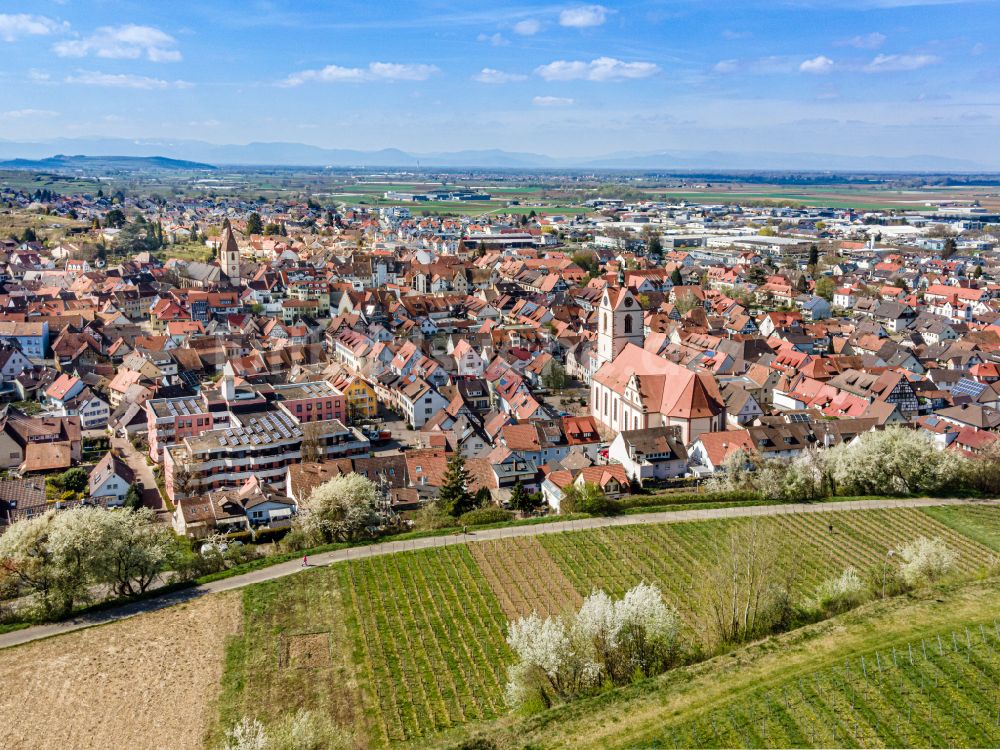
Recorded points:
745,593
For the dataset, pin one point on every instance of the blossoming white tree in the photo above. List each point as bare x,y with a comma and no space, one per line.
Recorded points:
841,593
60,557
925,559
340,509
605,639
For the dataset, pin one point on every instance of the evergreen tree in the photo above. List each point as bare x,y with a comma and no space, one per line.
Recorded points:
675,277
29,235
133,498
813,255
254,224
454,497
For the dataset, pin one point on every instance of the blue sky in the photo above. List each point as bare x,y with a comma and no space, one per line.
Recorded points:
893,77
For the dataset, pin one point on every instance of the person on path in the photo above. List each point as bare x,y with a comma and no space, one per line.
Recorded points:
305,561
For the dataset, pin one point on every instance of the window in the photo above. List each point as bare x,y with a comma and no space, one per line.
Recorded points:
628,324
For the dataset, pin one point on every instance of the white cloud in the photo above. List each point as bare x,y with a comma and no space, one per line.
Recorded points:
376,71
896,63
551,101
496,40
38,75
873,40
124,81
527,27
492,75
13,26
819,64
732,34
601,69
584,16
726,66
128,42
978,48
23,114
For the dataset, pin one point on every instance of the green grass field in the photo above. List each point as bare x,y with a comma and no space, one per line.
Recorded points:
411,646
979,523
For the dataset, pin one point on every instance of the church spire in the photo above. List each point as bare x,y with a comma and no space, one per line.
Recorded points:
229,254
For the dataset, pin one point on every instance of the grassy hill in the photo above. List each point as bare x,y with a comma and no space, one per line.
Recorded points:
410,648
808,688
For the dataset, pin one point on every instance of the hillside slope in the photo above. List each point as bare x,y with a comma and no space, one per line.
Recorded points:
808,688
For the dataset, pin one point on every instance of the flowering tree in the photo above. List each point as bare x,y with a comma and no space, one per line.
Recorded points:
925,559
841,593
133,550
60,557
606,639
27,555
341,509
895,461
246,734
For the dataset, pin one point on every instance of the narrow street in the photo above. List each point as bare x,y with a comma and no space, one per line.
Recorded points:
144,474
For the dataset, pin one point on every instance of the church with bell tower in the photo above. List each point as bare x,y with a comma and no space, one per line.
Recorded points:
229,255
619,322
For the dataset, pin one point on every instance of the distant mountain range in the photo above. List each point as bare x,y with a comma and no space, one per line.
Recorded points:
136,163
169,154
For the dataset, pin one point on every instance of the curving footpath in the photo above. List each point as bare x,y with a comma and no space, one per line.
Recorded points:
280,570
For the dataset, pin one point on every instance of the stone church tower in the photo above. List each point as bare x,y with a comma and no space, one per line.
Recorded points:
619,322
229,255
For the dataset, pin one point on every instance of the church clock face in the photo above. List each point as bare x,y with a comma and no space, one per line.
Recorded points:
628,302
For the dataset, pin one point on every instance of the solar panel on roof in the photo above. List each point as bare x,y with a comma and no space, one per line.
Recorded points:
968,387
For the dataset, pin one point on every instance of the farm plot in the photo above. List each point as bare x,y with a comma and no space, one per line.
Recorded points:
432,641
294,652
524,578
938,691
148,681
672,555
979,522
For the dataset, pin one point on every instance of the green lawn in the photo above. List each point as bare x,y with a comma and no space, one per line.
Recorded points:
981,523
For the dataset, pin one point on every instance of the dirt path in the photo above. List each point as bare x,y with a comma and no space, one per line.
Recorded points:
145,683
328,558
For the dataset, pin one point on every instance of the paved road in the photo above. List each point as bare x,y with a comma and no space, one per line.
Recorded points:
150,492
328,558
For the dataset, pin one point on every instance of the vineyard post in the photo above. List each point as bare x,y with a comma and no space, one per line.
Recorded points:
940,646
954,641
894,657
910,647
923,645
863,669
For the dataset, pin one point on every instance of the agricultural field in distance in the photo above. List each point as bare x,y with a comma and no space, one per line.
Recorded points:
834,196
417,638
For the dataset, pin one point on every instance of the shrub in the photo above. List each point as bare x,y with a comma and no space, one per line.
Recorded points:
432,517
587,499
840,594
482,516
74,480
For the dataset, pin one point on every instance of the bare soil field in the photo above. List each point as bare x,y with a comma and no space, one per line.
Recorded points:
525,579
150,681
